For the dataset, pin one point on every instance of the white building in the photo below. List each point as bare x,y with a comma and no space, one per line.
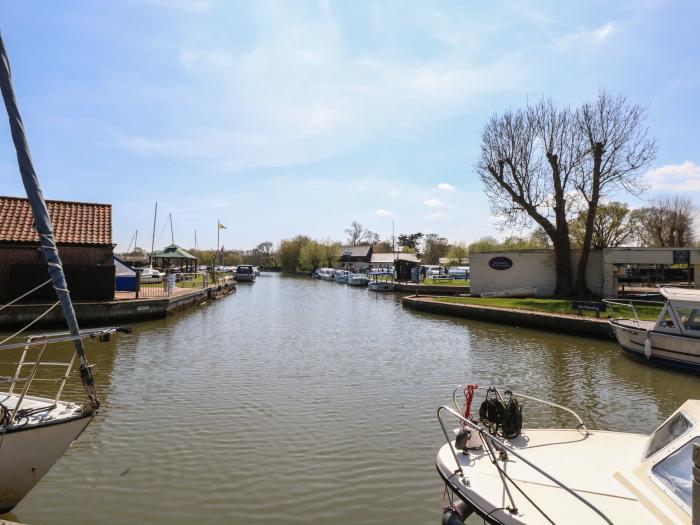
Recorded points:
495,271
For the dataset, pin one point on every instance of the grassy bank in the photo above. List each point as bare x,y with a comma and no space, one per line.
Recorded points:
554,306
440,282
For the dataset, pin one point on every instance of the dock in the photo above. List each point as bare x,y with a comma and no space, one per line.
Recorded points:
124,308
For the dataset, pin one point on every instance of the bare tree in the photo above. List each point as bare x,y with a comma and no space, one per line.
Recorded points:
527,164
355,233
614,147
669,221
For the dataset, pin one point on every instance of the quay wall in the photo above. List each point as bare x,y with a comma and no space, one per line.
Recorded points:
586,326
111,312
427,289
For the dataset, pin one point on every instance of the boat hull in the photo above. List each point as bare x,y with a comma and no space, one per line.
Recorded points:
665,349
381,287
27,453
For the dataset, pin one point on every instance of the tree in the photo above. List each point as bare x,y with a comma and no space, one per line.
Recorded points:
290,251
669,221
539,163
311,256
614,147
410,242
331,253
263,254
485,244
383,247
458,252
355,233
612,226
434,247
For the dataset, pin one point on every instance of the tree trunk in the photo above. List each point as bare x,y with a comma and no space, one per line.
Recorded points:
581,287
562,264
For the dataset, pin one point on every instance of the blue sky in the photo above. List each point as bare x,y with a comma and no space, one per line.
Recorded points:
281,118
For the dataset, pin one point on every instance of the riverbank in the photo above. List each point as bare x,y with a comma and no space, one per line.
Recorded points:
554,322
432,289
103,313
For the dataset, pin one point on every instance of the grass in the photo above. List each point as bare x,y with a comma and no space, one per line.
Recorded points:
441,282
554,306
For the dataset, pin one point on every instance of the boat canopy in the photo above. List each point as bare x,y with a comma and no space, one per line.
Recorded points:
685,295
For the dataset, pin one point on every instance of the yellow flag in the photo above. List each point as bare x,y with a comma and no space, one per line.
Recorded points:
221,226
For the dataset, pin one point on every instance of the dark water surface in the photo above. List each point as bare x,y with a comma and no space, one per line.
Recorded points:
298,401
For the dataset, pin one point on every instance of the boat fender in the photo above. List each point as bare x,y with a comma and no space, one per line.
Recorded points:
647,347
456,513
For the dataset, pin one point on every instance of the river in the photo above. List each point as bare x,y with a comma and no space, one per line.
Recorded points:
297,401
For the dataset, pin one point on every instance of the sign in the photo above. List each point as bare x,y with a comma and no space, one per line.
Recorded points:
681,256
589,306
500,263
171,282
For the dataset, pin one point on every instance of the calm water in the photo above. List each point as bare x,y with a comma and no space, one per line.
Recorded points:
298,401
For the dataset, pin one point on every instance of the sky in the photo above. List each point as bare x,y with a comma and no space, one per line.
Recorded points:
298,117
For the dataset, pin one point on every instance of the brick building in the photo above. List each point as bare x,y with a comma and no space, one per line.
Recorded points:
83,233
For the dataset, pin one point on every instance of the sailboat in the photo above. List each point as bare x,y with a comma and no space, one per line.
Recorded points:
35,431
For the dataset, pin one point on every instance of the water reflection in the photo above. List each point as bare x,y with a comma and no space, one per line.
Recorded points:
299,401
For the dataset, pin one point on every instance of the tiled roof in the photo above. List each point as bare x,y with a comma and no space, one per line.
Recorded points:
73,222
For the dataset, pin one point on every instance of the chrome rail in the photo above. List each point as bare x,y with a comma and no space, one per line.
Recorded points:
630,303
490,440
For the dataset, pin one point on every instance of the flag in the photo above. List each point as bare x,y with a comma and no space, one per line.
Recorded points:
221,226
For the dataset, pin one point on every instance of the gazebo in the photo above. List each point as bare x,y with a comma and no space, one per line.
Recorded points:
173,255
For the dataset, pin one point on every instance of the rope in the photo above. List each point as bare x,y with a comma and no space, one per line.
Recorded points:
30,323
24,295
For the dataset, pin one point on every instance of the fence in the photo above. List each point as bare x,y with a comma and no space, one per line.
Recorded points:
170,283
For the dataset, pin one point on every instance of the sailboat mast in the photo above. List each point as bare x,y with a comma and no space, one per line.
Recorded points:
172,235
42,221
153,237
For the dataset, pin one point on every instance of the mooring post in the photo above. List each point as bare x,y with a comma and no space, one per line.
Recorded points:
696,484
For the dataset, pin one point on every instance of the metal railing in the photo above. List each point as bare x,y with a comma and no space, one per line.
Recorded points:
22,383
630,303
493,445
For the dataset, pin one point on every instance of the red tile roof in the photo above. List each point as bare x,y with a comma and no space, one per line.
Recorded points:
73,222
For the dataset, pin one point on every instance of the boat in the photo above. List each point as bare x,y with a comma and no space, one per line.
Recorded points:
507,475
35,431
327,274
245,273
150,275
380,285
673,339
341,277
358,279
512,292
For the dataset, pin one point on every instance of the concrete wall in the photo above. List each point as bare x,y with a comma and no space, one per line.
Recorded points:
531,268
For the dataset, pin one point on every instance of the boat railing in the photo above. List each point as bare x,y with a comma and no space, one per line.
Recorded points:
494,448
630,303
580,427
21,382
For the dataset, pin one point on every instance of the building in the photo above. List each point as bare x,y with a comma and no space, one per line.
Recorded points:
355,258
382,261
609,270
175,256
83,233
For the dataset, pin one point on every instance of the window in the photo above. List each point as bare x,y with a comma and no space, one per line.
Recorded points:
690,317
668,432
675,472
666,319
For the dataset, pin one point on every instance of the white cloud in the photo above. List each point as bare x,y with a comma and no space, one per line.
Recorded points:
434,203
437,215
383,213
604,32
445,186
585,38
676,177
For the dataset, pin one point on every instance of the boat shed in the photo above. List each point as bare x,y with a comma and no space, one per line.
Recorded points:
83,234
610,272
355,258
125,279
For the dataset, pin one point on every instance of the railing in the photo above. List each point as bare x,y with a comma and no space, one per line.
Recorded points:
22,383
630,303
493,444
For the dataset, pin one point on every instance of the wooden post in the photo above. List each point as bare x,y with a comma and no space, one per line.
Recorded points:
696,484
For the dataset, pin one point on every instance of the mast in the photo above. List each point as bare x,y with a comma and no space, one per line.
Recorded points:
153,237
136,240
42,221
172,235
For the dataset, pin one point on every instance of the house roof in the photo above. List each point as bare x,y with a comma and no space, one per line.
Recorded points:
173,252
355,251
388,258
73,222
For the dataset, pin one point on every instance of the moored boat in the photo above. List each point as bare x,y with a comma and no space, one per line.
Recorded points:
510,476
341,277
245,273
382,281
673,339
358,279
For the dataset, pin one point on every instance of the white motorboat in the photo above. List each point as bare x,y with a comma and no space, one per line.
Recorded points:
151,275
509,476
673,339
341,277
512,292
327,274
358,279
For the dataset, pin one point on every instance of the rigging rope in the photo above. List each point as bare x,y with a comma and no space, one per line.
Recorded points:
54,305
24,295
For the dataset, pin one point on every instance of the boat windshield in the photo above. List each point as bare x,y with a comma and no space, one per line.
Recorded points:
675,472
674,428
690,317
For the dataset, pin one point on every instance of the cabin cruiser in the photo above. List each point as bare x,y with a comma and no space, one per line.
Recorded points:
151,275
327,274
510,476
358,279
673,339
341,277
379,285
245,273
